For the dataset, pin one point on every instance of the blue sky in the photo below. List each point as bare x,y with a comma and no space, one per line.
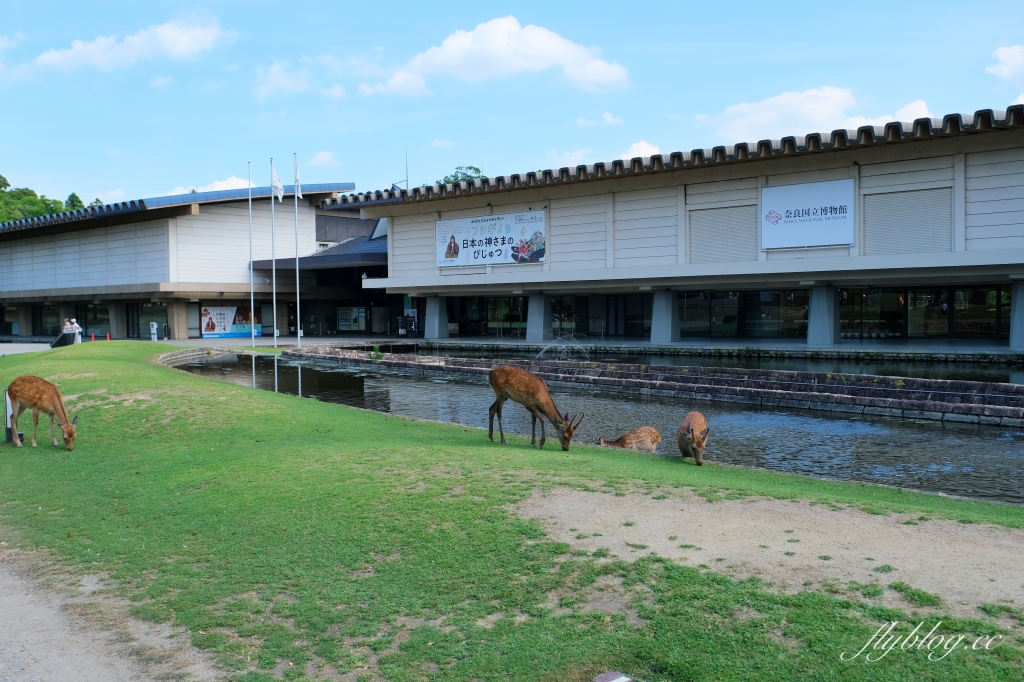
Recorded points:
130,100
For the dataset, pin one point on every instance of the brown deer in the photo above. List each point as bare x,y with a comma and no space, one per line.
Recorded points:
532,393
39,395
693,436
643,439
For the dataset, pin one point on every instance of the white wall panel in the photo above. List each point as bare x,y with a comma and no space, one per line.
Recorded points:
577,232
214,245
896,174
908,222
414,244
995,200
719,235
125,254
744,189
646,227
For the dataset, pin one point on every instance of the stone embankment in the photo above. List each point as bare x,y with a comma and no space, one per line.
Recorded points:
912,398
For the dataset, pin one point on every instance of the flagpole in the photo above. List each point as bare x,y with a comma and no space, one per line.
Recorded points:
252,290
273,261
298,316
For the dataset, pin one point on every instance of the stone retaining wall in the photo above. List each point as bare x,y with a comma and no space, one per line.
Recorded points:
912,398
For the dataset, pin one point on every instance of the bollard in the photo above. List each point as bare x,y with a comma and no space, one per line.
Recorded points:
93,337
108,336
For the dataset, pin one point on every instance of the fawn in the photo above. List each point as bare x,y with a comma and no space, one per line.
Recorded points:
643,439
515,383
693,436
39,395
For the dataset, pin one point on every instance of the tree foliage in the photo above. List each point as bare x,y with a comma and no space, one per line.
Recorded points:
73,203
20,202
462,174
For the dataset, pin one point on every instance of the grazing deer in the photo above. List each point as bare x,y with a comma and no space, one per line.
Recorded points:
532,393
643,439
39,395
693,436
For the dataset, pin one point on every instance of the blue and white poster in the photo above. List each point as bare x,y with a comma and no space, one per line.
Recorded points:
227,323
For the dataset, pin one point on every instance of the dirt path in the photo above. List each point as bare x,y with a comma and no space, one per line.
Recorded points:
965,565
64,632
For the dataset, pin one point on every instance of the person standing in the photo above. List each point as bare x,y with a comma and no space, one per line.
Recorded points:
77,330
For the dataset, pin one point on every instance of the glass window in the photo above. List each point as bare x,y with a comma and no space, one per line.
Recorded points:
9,318
975,313
694,314
883,313
761,310
725,310
598,315
1004,312
563,315
928,313
152,312
851,302
97,320
793,307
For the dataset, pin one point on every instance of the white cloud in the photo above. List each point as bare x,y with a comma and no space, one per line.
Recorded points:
278,78
217,185
161,82
10,41
323,159
817,110
502,47
333,92
438,142
402,83
177,39
641,148
1010,66
606,119
570,159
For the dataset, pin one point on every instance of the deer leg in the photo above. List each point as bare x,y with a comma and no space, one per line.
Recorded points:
543,437
491,411
14,423
53,434
35,426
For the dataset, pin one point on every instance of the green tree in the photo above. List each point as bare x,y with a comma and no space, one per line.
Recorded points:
21,202
73,203
96,202
462,174
4,184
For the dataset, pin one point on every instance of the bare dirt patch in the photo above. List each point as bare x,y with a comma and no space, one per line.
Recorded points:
56,627
965,565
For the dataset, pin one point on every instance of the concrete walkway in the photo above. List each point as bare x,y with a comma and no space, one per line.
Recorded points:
12,348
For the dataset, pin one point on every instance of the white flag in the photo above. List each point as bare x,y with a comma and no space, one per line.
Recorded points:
276,188
298,185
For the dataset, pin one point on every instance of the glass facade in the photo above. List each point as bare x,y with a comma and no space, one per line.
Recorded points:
499,316
619,315
773,313
981,312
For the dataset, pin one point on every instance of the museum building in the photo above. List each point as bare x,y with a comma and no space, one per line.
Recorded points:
911,230
183,262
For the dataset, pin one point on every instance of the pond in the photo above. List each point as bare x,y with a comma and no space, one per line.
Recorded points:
982,462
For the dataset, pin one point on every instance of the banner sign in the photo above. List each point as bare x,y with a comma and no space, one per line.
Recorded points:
503,239
809,214
227,323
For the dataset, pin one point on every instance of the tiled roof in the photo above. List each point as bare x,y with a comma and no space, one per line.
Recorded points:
141,205
982,121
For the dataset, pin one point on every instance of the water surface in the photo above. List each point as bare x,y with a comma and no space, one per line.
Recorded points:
982,462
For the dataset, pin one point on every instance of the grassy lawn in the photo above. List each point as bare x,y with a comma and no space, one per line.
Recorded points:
277,528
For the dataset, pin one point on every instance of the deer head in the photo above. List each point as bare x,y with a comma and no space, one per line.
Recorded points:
566,428
68,431
697,443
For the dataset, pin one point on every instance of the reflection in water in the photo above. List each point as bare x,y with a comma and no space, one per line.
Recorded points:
958,459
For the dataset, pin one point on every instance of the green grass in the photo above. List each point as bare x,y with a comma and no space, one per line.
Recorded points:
915,596
281,529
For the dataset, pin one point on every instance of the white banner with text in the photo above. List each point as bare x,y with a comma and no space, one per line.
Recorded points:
502,239
809,214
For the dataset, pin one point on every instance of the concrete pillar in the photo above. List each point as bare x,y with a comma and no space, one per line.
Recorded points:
118,320
177,320
1017,316
665,317
24,320
538,319
436,325
823,317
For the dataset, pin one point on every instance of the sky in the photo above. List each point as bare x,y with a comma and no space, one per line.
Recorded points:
127,100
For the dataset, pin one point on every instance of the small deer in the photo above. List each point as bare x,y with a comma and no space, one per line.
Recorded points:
643,439
693,436
531,392
39,395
